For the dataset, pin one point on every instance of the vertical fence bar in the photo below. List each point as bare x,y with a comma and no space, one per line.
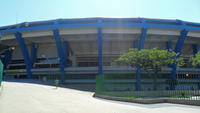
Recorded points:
135,44
100,60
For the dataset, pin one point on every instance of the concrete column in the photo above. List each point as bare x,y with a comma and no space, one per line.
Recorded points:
33,56
74,64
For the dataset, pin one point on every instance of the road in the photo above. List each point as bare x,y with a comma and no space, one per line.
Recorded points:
31,97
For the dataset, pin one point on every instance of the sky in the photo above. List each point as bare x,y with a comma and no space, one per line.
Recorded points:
17,11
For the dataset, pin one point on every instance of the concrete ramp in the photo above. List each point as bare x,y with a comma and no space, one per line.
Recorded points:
34,97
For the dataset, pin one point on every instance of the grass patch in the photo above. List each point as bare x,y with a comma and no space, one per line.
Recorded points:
129,97
182,95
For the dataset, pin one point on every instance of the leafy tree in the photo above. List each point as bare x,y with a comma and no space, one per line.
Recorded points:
195,60
150,60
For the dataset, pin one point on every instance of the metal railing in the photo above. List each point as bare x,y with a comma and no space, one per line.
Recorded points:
187,85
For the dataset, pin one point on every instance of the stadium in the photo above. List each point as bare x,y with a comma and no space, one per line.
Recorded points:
76,50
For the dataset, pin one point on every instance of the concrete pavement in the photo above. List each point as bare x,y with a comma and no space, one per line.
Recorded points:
20,97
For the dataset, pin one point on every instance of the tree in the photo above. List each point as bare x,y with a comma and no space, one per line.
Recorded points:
195,60
150,60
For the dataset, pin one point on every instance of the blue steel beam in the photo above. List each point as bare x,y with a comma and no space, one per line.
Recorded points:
142,38
132,20
33,54
161,21
42,25
60,54
177,50
100,59
95,25
95,19
25,53
141,46
7,59
181,40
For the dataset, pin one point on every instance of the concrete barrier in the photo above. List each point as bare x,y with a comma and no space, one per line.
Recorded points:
152,94
1,88
152,100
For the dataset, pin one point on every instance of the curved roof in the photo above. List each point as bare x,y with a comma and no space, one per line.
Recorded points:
103,22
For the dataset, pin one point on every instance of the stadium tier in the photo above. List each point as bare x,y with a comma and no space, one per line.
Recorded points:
78,49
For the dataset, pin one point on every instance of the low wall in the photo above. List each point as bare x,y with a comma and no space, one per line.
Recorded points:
152,100
1,88
164,93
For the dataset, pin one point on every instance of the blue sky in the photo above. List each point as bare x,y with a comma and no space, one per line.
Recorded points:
17,11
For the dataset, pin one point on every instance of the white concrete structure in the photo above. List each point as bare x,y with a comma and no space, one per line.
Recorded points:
92,43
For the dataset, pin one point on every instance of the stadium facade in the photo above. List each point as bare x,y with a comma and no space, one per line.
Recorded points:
86,47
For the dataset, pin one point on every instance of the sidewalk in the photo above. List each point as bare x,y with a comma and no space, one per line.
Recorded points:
27,97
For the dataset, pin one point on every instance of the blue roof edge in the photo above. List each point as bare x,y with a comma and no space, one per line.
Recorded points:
149,22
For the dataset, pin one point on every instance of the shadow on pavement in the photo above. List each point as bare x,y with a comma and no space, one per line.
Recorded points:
70,86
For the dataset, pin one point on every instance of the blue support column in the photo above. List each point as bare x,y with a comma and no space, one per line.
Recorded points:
60,54
177,50
33,54
180,41
25,53
99,30
142,38
141,46
7,60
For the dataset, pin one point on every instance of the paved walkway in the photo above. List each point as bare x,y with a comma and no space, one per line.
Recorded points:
19,97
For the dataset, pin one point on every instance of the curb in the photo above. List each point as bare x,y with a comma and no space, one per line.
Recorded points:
151,101
1,89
